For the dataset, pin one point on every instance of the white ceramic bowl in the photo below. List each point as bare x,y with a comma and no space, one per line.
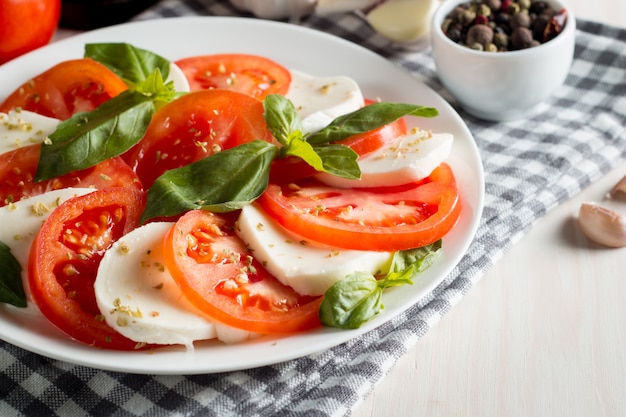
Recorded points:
502,86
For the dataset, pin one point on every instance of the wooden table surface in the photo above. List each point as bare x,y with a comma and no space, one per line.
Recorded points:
507,349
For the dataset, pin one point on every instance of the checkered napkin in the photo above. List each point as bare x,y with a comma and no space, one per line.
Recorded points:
531,166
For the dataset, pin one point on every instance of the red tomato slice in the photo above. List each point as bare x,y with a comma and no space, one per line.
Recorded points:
292,169
253,75
18,168
65,89
215,271
383,219
64,261
194,127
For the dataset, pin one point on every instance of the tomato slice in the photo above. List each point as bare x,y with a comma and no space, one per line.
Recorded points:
64,261
65,89
216,273
291,169
253,75
18,168
194,127
383,219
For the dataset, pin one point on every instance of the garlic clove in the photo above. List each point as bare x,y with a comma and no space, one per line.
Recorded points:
619,189
402,21
602,225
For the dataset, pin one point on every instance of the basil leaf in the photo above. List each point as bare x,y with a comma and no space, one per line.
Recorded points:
155,88
339,160
89,138
405,265
351,301
11,286
131,64
357,298
282,119
304,151
225,181
367,118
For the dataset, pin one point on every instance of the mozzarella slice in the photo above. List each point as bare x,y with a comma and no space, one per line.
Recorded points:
139,298
319,100
411,158
310,269
23,128
20,222
177,76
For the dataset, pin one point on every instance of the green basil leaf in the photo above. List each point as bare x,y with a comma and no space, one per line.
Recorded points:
11,286
339,160
89,138
131,64
357,298
282,119
351,302
367,118
304,151
225,181
154,87
406,265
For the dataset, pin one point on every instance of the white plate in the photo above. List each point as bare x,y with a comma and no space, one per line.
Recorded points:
295,47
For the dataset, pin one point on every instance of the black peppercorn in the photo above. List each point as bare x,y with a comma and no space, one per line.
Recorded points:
539,26
521,38
537,7
481,34
454,34
519,20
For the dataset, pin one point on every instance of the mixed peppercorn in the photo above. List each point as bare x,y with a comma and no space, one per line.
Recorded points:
503,25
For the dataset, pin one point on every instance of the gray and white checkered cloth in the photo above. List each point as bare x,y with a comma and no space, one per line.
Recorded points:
530,166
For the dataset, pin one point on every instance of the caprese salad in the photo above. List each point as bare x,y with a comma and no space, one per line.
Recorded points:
145,202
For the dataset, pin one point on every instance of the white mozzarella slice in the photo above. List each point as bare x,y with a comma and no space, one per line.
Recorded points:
310,269
20,222
139,298
23,128
319,100
177,76
411,158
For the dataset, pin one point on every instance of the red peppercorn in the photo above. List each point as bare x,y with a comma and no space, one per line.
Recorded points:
481,20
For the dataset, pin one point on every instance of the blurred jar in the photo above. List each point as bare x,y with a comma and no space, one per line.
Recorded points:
91,14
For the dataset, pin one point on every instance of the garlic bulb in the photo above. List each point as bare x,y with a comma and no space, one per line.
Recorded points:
602,225
276,9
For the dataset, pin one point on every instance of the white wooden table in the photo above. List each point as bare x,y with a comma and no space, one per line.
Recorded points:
507,349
